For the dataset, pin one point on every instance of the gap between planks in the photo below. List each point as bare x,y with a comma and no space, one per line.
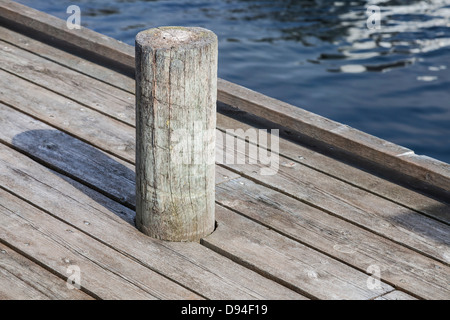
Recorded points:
399,266
67,60
21,278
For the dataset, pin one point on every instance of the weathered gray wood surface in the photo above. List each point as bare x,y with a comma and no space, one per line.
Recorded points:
105,272
297,154
286,261
19,127
69,116
68,60
75,158
399,266
21,278
397,223
176,90
216,277
337,238
365,209
292,151
85,90
91,224
57,29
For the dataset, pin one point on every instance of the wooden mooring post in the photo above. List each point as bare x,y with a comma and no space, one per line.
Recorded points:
176,91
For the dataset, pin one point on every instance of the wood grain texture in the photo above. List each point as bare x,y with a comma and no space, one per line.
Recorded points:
68,116
420,239
292,185
380,216
399,266
89,92
189,264
12,288
68,60
176,89
289,262
297,154
104,272
24,123
75,158
30,138
22,279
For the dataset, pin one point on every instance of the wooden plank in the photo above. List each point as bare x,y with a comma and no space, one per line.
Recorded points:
216,277
68,59
21,124
21,278
36,141
224,175
17,233
291,263
356,143
354,176
68,115
104,272
24,123
383,217
14,289
396,295
82,89
401,267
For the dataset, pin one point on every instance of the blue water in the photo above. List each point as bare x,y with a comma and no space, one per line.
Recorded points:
392,82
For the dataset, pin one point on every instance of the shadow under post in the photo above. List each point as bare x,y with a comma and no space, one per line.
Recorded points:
90,170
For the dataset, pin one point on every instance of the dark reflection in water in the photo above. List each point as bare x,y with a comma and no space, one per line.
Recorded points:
392,82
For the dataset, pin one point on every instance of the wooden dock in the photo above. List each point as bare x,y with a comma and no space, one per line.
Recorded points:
347,216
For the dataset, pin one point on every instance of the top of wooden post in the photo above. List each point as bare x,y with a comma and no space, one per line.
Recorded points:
171,37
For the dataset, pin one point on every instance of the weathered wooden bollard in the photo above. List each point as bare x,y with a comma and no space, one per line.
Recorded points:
176,90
